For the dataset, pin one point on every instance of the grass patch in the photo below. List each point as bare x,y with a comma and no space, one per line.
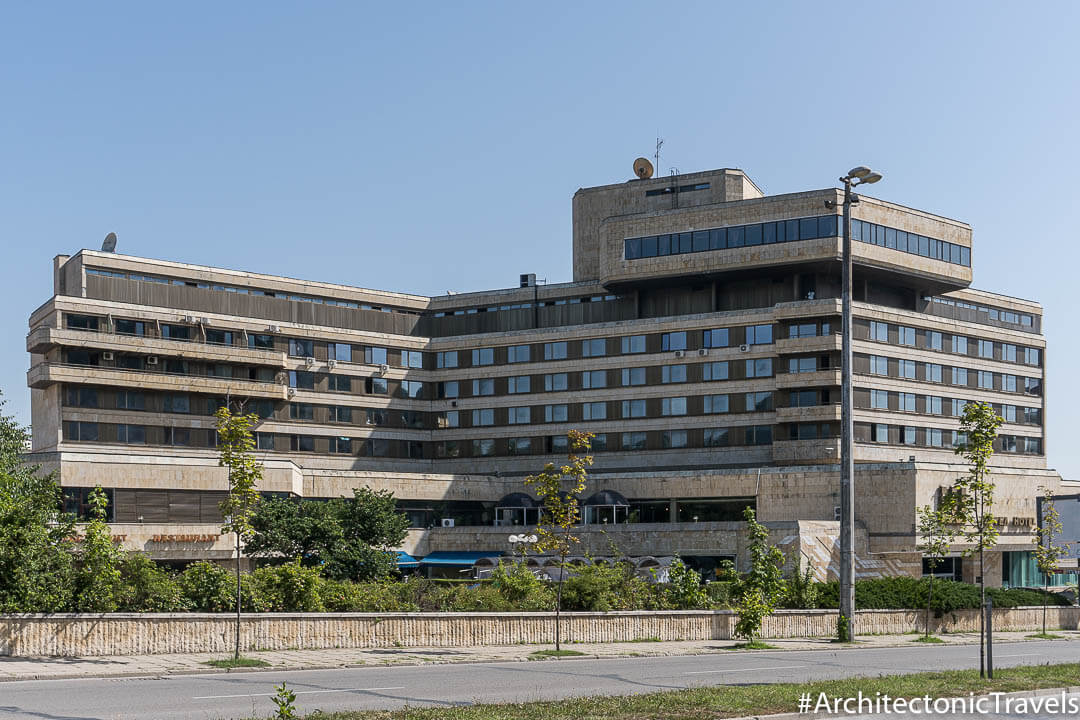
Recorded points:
753,645
645,639
237,662
722,701
1046,636
928,639
541,654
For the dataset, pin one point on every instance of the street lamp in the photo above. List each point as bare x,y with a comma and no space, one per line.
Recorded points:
860,175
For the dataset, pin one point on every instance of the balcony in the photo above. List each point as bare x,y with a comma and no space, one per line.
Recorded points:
811,413
820,378
818,344
41,339
806,452
43,375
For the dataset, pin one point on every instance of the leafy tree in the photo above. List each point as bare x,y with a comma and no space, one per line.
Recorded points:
936,536
684,589
35,535
1047,553
207,587
802,591
348,538
974,495
146,587
236,451
97,579
558,489
763,587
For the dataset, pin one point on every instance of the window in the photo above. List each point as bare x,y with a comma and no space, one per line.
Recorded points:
633,344
176,404
933,340
264,441
934,437
448,449
1033,445
633,376
483,417
82,397
447,359
879,399
959,376
377,447
301,411
176,332
592,379
933,404
1008,352
879,331
671,406
339,383
986,380
906,369
959,344
759,335
517,354
802,365
519,446
449,389
376,386
906,402
130,400
1008,383
1008,413
804,398
596,347
986,349
555,413
879,432
594,411
933,372
906,335
1031,356
558,444
717,338
82,322
339,444
1032,386
599,442
673,439
907,435
376,416
412,359
177,436
448,419
716,437
555,351
517,384
375,355
137,327
555,382
714,371
301,348
483,356
634,441
879,365
260,342
759,401
758,435
518,415
342,352
673,374
673,341
82,431
805,330
411,389
761,367
958,406
715,404
633,408
1032,416
340,413
483,386
132,434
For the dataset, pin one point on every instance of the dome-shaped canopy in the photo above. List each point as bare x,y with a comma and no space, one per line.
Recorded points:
607,497
517,500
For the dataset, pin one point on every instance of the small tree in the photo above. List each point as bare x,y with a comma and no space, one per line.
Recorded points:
763,587
975,496
935,539
236,451
558,489
1047,553
98,578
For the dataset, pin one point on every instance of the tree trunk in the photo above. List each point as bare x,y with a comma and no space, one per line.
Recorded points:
929,599
982,612
1045,593
236,654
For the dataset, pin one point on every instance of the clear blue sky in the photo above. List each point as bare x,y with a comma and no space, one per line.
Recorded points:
371,144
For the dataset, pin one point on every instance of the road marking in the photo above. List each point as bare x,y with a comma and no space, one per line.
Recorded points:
1021,655
757,669
298,692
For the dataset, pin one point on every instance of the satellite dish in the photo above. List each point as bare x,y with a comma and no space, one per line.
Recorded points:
110,243
643,168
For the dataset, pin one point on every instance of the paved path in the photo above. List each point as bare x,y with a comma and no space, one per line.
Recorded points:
227,695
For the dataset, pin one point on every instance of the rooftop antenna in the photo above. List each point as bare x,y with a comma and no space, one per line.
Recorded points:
110,243
656,155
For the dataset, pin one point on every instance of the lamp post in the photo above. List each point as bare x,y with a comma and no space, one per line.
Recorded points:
856,176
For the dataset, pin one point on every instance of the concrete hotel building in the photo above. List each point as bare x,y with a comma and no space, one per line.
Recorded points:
699,340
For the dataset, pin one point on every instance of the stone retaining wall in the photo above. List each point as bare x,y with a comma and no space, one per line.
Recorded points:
71,635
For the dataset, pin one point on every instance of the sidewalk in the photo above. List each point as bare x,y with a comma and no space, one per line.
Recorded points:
181,664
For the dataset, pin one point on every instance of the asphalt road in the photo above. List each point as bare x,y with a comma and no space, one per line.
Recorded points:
235,695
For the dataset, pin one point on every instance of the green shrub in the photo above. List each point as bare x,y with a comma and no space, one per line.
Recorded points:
208,587
146,587
908,593
521,588
345,596
683,590
286,588
721,594
802,591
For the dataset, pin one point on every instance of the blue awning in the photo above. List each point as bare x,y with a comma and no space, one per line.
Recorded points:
406,560
462,559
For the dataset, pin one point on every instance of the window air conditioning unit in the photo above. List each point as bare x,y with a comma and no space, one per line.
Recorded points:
273,328
383,369
703,352
448,522
331,364
190,319
107,356
745,347
309,361
292,392
204,321
836,513
152,360
680,353
453,403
